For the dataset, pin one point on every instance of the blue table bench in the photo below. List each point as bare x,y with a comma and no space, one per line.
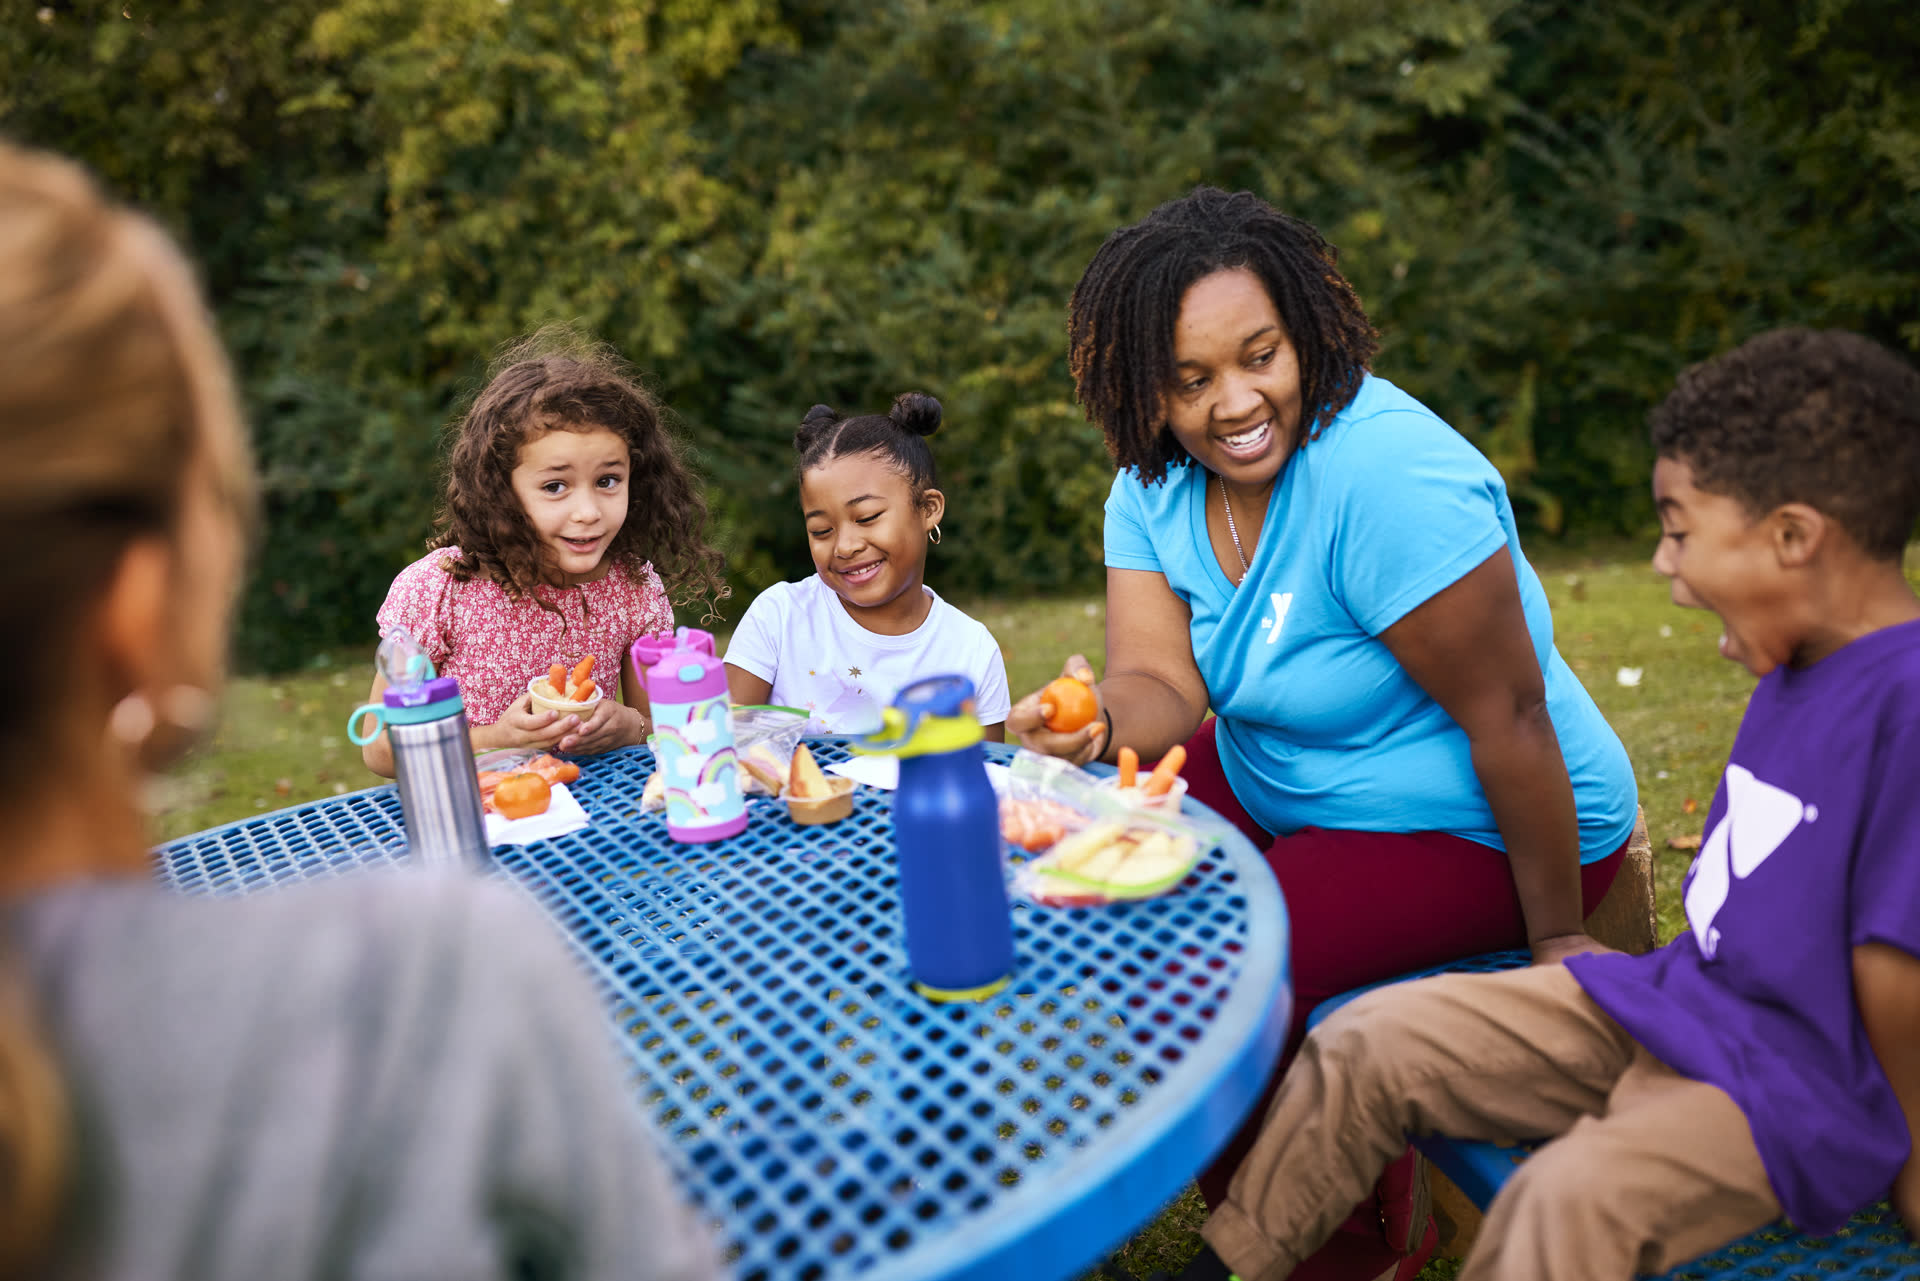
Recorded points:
1872,1245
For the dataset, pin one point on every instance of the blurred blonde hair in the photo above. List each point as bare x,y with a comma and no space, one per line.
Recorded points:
109,376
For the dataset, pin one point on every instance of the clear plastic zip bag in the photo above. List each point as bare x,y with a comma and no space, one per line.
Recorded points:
1115,852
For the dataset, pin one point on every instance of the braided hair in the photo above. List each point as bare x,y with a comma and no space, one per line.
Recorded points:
899,436
1120,323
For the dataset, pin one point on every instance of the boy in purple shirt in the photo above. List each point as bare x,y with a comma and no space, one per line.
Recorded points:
1768,1060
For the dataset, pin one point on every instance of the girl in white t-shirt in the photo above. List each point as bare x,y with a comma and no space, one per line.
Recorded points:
841,643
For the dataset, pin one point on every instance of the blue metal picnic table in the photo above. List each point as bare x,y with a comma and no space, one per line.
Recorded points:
828,1121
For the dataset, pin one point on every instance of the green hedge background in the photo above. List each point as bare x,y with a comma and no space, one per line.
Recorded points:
1549,209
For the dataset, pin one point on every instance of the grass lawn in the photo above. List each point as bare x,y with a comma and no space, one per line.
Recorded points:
1653,669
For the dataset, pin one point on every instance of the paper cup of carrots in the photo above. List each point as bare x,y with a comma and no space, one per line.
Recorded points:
1161,790
568,691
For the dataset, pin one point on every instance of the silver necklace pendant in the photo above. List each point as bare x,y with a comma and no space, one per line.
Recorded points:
1232,532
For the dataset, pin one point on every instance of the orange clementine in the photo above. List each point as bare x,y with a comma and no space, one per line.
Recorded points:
1072,703
521,796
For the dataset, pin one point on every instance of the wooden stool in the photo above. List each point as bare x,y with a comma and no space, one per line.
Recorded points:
1625,919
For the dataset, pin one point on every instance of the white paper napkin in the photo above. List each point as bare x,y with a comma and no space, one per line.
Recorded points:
875,771
883,772
563,815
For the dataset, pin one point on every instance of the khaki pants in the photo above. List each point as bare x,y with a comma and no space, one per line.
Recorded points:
1649,1170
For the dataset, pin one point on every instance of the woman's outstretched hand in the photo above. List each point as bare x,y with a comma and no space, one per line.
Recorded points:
1027,722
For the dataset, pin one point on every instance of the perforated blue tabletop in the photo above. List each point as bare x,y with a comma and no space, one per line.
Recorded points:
828,1121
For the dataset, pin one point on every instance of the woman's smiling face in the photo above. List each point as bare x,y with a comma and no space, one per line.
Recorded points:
1235,401
867,535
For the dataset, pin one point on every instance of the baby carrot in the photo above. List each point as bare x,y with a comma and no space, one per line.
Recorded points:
581,670
1160,782
1129,766
557,677
582,692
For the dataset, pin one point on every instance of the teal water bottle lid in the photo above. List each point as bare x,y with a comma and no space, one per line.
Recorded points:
430,700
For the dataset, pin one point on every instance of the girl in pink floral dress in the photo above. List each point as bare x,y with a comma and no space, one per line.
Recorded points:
567,504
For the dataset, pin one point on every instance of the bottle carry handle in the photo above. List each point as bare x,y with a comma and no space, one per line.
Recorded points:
896,728
360,713
419,670
918,732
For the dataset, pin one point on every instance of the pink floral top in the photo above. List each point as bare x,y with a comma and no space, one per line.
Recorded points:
493,644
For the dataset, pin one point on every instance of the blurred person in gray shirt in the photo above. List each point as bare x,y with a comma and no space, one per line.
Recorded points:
387,1076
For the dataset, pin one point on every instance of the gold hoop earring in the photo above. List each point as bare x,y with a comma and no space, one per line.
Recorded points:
933,535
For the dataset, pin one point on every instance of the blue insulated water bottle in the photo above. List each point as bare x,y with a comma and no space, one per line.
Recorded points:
946,836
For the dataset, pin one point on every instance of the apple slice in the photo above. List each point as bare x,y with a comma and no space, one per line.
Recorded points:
1097,847
1156,856
1121,862
804,778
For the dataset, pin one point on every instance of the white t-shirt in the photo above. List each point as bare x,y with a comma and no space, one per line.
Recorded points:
800,638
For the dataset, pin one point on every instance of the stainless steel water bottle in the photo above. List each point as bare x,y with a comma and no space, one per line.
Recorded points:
425,721
433,765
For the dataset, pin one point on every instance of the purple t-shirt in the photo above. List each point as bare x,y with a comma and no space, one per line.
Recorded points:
1812,848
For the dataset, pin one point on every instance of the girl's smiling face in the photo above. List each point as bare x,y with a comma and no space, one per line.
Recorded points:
867,534
573,487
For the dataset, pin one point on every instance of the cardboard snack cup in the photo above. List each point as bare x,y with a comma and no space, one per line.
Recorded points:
540,689
831,808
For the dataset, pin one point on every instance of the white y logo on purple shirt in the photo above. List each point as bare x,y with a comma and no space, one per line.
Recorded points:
1759,818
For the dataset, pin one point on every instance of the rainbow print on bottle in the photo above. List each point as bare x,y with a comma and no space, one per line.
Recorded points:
693,739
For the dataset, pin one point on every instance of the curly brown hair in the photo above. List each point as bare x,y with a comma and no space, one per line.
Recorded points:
1121,320
556,380
1821,417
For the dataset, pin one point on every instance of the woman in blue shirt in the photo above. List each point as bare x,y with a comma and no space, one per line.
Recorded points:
1305,550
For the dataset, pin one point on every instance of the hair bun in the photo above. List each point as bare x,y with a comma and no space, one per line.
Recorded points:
819,419
917,412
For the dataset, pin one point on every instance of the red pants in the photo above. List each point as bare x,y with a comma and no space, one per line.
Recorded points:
1365,906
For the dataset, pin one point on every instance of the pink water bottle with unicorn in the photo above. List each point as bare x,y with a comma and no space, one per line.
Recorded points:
693,738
